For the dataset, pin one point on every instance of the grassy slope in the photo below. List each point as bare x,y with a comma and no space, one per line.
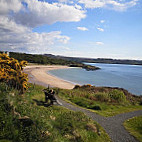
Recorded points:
52,124
134,126
86,98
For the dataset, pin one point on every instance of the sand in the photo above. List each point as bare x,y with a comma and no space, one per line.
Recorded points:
38,74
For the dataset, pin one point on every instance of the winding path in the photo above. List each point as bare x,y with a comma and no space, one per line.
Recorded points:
112,125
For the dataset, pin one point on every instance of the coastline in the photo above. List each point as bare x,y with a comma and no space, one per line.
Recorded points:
38,74
62,78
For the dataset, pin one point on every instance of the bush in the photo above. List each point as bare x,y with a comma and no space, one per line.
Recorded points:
117,96
96,108
102,97
76,86
11,73
140,102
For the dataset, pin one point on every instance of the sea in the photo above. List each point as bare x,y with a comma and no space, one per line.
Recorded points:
124,76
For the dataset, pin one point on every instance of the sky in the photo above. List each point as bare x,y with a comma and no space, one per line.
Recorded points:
76,28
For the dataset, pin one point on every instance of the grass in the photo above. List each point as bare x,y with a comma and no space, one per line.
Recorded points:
26,118
134,126
104,101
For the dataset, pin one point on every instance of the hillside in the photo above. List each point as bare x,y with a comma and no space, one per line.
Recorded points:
43,59
98,60
27,118
63,60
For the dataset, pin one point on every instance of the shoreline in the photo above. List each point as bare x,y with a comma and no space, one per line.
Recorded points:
38,74
61,78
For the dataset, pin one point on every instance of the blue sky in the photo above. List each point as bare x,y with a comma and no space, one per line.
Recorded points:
79,28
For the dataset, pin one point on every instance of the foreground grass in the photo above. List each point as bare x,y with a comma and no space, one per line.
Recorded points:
106,103
134,126
26,118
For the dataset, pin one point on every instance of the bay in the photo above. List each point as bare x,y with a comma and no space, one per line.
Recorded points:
128,77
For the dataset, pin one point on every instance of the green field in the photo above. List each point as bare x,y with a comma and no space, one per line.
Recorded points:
134,126
27,118
104,101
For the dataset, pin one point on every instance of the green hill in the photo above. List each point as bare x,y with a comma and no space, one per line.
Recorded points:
25,118
43,59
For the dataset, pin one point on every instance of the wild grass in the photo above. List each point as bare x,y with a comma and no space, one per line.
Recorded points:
26,118
104,101
134,126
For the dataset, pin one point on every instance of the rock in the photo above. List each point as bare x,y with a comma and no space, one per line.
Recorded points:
68,136
26,121
12,94
52,117
91,127
47,133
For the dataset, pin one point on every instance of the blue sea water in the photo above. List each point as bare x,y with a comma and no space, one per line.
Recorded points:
113,75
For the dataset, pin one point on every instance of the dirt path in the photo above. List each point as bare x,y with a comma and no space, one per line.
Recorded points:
112,125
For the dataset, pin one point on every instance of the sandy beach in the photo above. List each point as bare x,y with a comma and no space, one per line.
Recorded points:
38,74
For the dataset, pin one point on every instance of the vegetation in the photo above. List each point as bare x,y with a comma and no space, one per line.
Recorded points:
26,118
105,101
40,59
134,126
62,60
11,72
87,67
43,59
98,60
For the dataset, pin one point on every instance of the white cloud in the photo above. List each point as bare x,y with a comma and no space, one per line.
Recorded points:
64,48
7,5
109,4
100,29
9,26
99,43
63,0
102,21
39,13
21,38
17,21
92,3
78,6
66,1
82,28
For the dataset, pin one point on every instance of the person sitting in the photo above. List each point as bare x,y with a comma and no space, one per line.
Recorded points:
46,93
50,95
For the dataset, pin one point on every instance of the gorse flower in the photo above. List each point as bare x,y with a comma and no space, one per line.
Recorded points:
11,73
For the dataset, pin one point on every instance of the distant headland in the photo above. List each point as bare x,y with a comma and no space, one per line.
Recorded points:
69,61
98,60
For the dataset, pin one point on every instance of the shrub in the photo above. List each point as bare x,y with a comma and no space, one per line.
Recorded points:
11,73
96,107
86,86
102,97
117,96
76,86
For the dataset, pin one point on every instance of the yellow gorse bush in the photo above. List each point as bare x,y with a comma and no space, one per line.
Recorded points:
11,73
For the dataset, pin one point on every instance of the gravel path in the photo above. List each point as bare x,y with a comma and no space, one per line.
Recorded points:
112,125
